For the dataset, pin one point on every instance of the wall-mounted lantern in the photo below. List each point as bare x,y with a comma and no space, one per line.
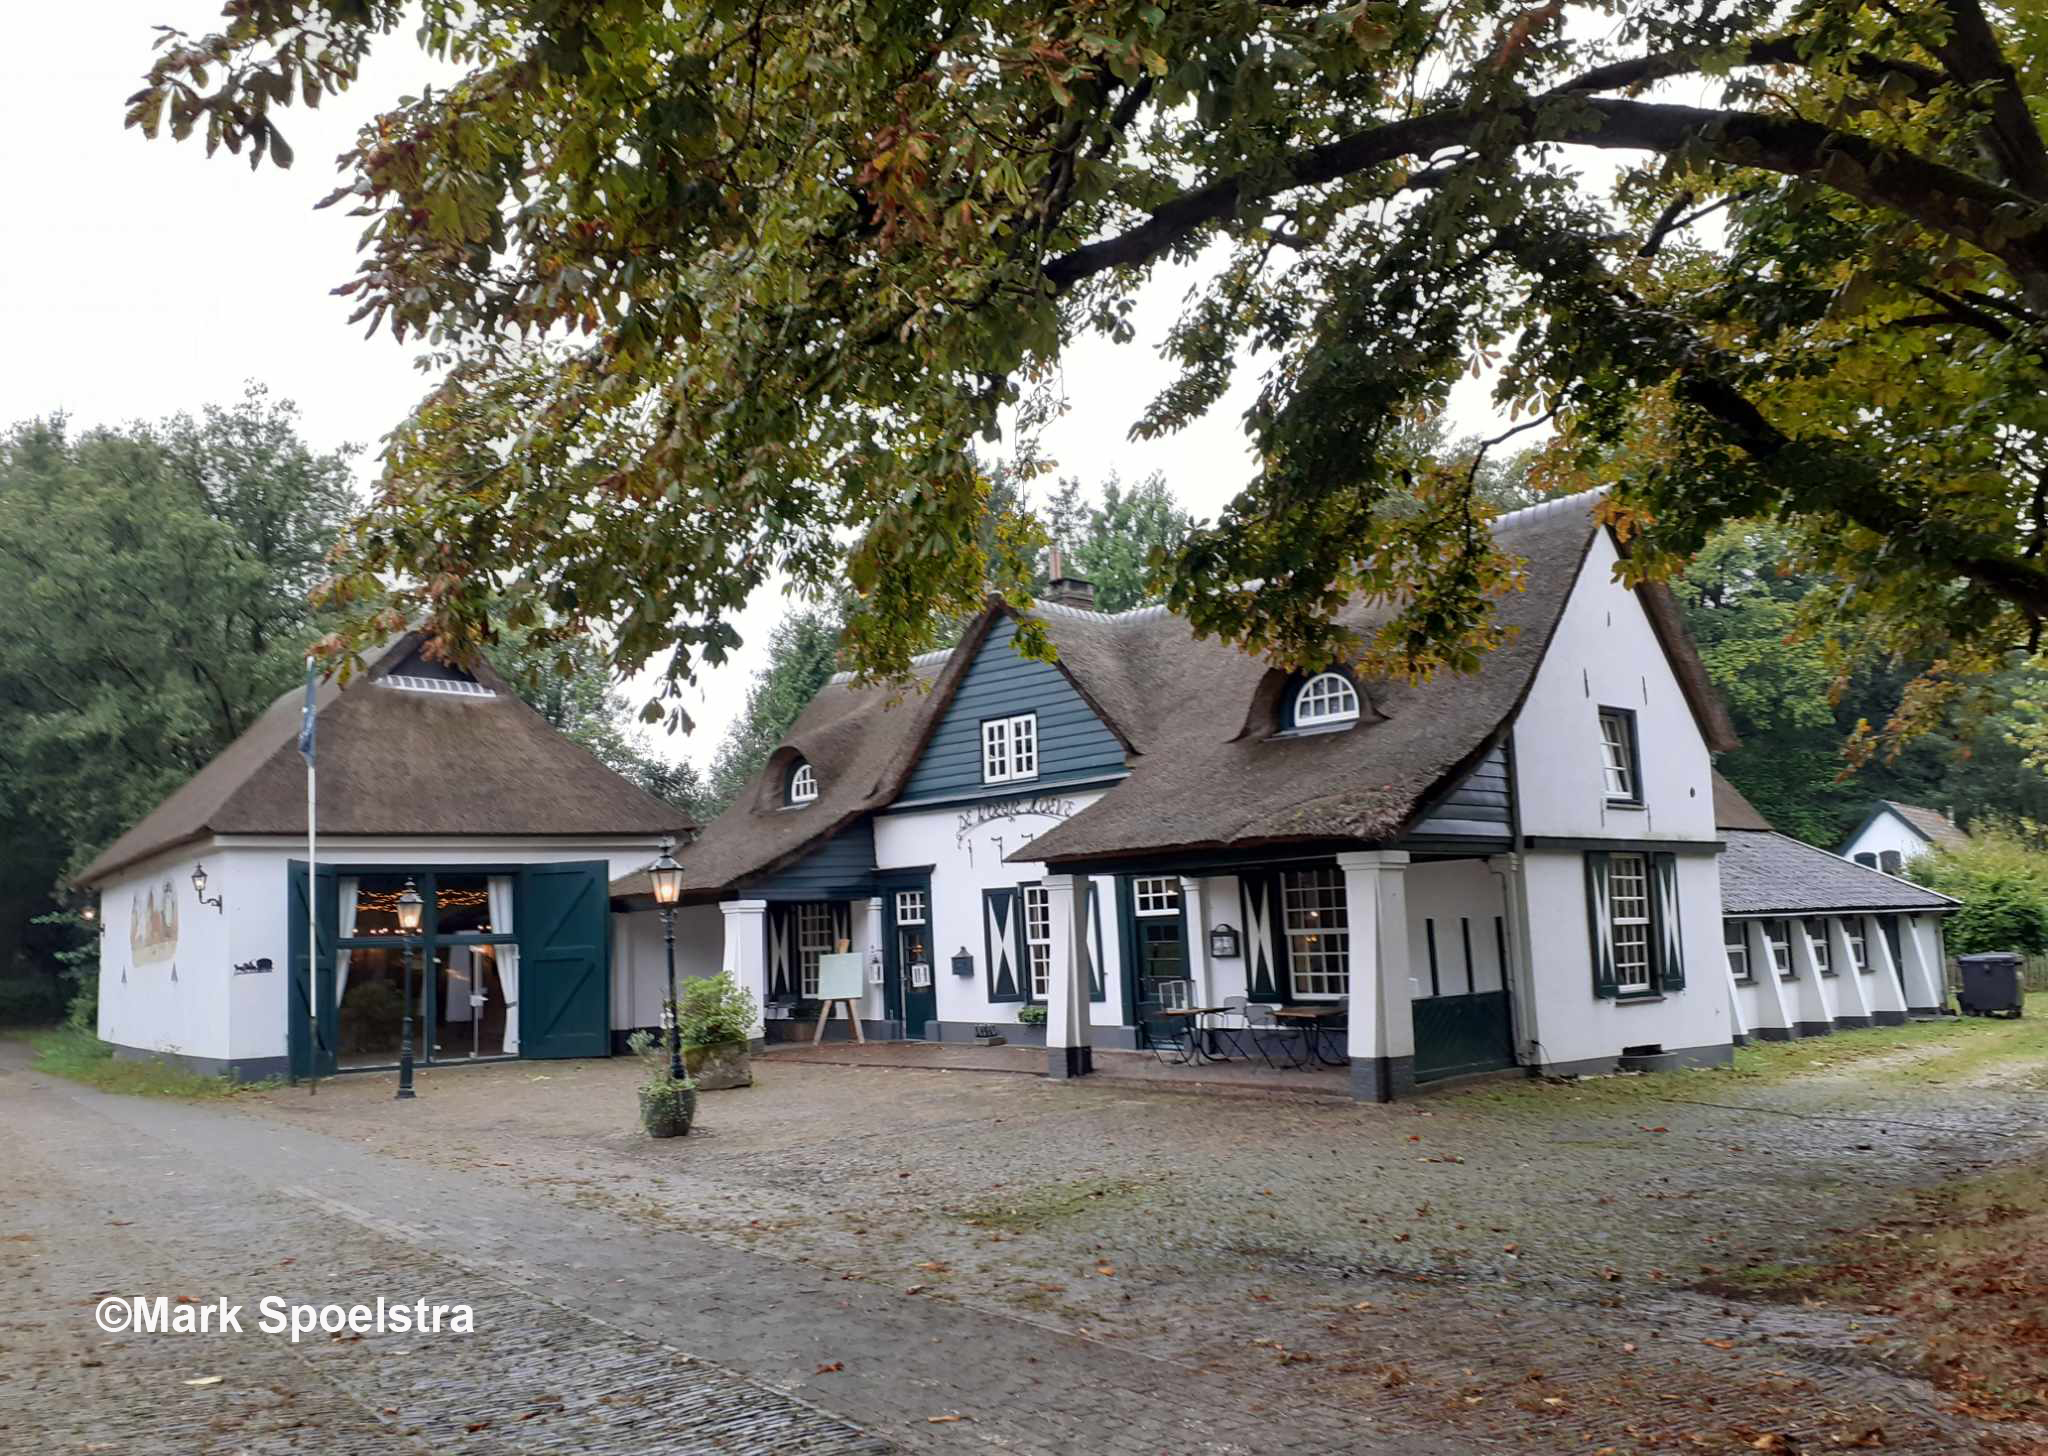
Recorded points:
199,888
963,962
1223,943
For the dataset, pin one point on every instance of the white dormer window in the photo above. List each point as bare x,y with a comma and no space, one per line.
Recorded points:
1009,748
803,784
1326,700
1620,771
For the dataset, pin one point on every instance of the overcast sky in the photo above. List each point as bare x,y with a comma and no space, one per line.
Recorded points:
142,278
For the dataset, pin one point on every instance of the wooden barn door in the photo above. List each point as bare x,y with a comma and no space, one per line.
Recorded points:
564,925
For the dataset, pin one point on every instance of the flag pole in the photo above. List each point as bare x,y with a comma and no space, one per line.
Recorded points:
306,749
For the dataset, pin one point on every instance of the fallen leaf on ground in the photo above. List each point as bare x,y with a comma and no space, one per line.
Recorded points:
833,1369
207,1380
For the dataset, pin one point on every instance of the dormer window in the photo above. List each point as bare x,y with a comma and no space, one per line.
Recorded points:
1327,700
803,784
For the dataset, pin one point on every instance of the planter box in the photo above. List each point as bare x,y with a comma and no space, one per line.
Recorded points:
716,1068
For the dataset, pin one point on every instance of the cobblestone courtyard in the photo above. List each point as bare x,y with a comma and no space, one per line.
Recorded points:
952,1259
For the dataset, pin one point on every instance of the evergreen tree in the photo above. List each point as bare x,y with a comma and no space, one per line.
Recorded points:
803,652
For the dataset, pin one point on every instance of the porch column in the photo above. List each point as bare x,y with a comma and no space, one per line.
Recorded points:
1812,1007
1925,977
1067,1052
1519,975
746,951
1887,991
1773,1018
1198,941
1852,1001
1738,1024
1381,1035
870,943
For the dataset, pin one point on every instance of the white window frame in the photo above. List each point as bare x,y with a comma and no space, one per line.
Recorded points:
1735,941
1325,701
1628,923
1621,776
1317,928
1781,949
1817,944
803,784
911,908
811,916
1037,903
1009,748
1859,945
1155,895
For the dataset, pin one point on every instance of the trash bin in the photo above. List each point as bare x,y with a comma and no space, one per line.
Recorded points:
1992,984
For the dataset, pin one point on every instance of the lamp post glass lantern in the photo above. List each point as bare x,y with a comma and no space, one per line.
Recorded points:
199,888
409,907
667,878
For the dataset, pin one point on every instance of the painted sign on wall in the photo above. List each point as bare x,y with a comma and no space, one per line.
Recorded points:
153,925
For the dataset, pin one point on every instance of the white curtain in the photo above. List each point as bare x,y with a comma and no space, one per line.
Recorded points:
346,928
508,958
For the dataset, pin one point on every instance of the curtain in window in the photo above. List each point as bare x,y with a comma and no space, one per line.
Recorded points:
500,890
346,928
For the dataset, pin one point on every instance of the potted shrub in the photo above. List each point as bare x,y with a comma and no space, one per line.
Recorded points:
667,1107
717,1024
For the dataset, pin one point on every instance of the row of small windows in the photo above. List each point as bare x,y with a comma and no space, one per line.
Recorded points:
1778,941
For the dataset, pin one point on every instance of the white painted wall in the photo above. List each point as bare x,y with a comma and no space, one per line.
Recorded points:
179,1002
1887,832
966,846
640,959
1447,892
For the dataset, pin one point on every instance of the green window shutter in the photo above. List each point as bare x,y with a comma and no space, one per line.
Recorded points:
781,930
1600,924
1265,961
1090,909
1669,931
1002,913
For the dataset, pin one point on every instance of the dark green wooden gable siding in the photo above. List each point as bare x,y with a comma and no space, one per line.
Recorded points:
1478,811
842,866
1074,746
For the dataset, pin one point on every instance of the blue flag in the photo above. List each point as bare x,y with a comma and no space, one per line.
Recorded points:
307,717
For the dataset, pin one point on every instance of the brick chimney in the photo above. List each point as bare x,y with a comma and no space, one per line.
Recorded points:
1068,591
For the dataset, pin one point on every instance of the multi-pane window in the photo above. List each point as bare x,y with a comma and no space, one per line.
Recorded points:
813,938
1038,938
1628,918
1817,942
1618,755
1859,948
1779,934
910,907
1318,934
1735,935
1326,699
1009,748
1156,896
803,785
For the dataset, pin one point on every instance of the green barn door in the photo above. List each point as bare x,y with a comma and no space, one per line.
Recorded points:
564,929
298,1042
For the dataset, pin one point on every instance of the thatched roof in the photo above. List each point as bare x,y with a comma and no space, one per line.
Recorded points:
1732,810
399,762
1204,771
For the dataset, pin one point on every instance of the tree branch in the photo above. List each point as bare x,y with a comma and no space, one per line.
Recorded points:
1974,57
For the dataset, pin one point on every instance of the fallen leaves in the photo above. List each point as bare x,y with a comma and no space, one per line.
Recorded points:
832,1368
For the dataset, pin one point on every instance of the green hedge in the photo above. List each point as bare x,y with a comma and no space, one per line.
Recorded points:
35,1001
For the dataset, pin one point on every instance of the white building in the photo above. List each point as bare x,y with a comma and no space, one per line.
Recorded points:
427,774
1512,867
1895,833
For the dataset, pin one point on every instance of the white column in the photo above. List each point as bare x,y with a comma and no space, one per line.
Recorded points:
746,949
1924,975
1066,990
1852,999
1519,975
869,940
1886,994
1772,1018
1809,998
1198,941
1381,1036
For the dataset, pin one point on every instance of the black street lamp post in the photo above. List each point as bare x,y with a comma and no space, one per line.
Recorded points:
409,906
667,876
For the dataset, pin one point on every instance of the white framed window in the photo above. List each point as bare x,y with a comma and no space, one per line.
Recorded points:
1318,934
803,785
813,938
1155,896
1038,938
1618,756
1859,948
1817,942
1009,748
910,907
1779,934
1327,698
1735,936
1628,918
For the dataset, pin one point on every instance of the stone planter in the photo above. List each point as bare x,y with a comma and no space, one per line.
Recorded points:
667,1112
721,1065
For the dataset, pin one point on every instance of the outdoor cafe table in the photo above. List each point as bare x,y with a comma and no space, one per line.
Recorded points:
1311,1020
1196,1030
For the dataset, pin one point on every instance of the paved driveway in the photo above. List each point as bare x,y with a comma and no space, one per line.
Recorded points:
861,1257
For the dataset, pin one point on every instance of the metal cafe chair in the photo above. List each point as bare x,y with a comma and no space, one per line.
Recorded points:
1250,1029
1171,1038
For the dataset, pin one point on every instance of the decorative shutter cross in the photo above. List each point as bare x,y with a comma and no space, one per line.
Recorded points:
1600,924
999,931
1670,938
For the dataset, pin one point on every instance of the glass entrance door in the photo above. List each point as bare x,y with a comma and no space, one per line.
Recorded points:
468,1014
1162,956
